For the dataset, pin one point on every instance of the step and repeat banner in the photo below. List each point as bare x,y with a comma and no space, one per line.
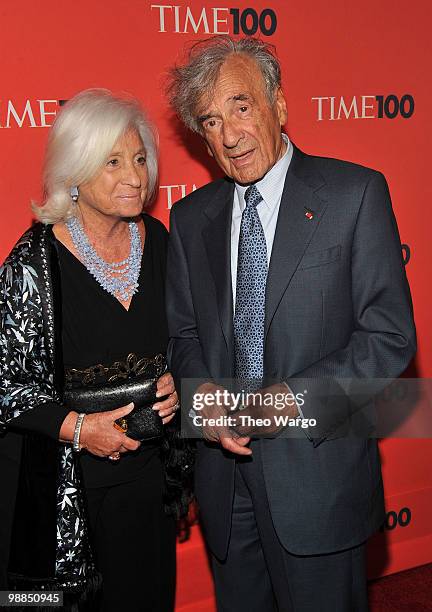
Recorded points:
355,76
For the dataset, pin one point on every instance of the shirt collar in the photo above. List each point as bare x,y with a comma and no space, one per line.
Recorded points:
272,184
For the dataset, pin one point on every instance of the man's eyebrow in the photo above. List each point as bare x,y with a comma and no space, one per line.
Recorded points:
203,118
241,97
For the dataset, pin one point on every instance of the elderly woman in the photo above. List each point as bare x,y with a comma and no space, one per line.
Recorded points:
82,293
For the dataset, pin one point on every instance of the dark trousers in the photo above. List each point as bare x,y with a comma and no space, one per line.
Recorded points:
134,544
260,575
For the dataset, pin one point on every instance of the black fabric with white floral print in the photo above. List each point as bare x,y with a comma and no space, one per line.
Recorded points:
27,379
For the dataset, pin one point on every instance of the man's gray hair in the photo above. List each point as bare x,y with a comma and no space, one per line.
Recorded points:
197,77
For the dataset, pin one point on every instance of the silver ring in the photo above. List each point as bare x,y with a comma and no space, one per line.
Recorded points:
176,407
115,456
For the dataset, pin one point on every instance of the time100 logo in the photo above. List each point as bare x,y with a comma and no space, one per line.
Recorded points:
214,20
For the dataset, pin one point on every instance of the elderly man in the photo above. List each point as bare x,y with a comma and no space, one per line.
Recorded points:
289,268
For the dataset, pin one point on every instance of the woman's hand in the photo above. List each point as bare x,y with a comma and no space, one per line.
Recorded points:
167,408
101,438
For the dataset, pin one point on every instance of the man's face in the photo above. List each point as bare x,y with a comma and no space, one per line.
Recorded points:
241,128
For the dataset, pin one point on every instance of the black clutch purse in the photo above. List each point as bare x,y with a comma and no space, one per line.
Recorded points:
101,388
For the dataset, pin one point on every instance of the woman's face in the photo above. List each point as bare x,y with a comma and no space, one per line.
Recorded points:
120,188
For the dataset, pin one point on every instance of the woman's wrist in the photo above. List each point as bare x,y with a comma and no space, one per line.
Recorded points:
76,445
68,427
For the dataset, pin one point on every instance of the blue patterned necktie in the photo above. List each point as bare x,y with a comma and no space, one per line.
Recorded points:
250,294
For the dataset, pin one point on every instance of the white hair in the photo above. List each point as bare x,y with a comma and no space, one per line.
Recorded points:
80,142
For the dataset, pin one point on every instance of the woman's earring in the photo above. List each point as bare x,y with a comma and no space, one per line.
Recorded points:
74,193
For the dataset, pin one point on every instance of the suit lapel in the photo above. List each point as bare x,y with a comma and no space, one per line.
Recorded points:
294,228
217,240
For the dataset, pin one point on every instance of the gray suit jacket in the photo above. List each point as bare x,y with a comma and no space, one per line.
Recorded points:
337,305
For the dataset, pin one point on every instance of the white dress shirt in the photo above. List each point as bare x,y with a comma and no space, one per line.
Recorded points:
271,188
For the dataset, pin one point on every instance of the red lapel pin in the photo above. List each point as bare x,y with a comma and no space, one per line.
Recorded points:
309,214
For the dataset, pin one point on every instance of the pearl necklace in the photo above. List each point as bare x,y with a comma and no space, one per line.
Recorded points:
120,278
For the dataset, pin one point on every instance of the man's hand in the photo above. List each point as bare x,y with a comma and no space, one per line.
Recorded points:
228,439
276,400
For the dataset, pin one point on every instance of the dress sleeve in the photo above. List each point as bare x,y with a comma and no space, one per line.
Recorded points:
26,377
44,419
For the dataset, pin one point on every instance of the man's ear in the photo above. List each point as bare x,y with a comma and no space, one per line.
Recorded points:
209,151
281,106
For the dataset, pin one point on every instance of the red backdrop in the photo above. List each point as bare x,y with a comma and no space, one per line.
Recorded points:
355,78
